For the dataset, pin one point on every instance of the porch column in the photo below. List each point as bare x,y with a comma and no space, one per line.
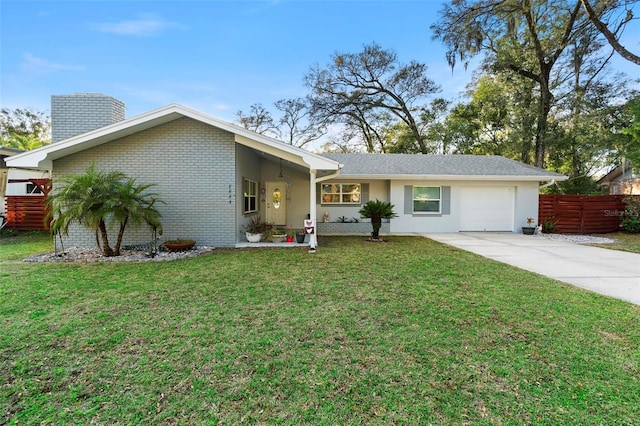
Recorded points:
313,241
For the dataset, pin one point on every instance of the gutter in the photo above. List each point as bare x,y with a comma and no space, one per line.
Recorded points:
331,176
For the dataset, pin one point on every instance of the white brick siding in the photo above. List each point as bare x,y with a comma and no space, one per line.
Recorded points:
193,167
73,115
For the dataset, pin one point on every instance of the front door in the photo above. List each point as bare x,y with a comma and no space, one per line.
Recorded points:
276,202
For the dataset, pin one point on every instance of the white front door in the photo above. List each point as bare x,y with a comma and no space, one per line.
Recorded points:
276,203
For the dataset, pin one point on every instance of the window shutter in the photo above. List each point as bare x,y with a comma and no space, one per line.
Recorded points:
408,199
445,208
364,196
318,195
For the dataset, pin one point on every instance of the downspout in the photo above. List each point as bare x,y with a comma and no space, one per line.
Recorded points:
553,181
313,241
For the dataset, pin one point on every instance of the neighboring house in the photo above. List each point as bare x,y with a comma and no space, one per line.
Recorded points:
621,180
215,176
23,186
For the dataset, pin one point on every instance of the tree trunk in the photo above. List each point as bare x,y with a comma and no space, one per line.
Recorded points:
376,223
526,123
541,130
97,235
546,99
106,248
120,235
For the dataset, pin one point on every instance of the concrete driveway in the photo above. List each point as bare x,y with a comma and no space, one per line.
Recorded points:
610,272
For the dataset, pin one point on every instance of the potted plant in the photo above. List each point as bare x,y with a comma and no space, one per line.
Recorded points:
274,235
300,235
179,244
255,229
530,229
290,234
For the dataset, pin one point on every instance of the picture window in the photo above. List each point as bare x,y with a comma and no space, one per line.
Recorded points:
341,193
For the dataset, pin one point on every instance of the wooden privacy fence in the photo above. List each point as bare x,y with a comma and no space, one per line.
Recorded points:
582,214
28,212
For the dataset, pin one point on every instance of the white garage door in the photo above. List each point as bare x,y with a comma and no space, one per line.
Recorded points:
486,209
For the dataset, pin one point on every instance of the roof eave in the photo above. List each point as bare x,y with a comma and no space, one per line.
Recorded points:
456,177
288,152
611,176
42,157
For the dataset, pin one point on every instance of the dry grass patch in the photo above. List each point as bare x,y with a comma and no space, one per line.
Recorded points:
624,242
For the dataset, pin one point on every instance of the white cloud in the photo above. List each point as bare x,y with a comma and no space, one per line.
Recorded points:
146,26
222,107
32,63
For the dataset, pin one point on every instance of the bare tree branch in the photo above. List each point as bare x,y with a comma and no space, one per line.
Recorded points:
608,34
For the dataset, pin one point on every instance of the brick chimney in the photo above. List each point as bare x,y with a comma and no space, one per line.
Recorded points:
72,115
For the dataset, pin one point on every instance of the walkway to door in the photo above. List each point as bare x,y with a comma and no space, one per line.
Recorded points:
609,272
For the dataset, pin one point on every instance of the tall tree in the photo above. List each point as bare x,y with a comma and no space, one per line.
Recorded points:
461,130
258,120
400,138
498,119
296,126
359,89
527,38
24,129
580,132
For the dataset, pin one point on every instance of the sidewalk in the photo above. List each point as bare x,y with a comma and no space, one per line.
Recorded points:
609,272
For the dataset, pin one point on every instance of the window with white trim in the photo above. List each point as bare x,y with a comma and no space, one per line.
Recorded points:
426,199
250,196
340,193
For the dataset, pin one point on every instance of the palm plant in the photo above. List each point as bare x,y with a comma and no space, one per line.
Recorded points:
96,199
135,205
377,210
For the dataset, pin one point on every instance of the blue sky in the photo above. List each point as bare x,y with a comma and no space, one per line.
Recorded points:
215,56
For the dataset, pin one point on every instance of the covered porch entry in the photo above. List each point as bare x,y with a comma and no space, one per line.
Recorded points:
277,183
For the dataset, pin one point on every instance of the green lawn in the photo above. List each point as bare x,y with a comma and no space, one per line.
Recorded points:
624,242
408,331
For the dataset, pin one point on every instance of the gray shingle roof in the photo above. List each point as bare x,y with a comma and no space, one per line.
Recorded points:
437,165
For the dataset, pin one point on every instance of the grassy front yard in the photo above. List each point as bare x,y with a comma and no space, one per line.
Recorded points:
624,242
409,331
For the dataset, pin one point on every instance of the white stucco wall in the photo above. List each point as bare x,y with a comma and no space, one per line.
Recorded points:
527,200
407,223
525,204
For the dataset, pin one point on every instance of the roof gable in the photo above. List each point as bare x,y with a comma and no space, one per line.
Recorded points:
43,157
